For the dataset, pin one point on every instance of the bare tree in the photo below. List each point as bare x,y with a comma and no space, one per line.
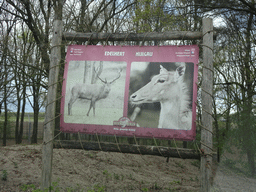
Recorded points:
7,23
236,68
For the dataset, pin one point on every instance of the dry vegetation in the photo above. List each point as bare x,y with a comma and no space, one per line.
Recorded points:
79,170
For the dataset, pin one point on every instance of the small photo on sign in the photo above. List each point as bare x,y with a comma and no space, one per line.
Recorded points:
94,92
161,94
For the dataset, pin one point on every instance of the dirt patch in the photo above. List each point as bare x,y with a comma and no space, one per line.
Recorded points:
231,174
80,170
227,180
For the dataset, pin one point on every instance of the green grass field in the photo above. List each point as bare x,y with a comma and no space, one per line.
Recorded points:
27,117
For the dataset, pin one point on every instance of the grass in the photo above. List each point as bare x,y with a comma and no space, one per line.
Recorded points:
107,174
196,163
179,164
174,182
27,117
56,188
97,188
116,176
155,187
4,175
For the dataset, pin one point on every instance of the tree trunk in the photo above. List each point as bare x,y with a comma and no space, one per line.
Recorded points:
215,116
17,120
249,127
227,116
36,113
251,161
22,114
59,92
5,104
5,121
5,80
35,125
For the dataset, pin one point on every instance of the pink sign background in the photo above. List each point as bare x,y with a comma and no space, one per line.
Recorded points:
157,83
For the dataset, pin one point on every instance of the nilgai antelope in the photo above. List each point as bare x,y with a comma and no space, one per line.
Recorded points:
93,92
169,89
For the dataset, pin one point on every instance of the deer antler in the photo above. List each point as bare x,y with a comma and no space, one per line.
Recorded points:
117,77
106,79
100,78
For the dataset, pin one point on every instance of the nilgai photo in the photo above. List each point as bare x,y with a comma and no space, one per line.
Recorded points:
169,89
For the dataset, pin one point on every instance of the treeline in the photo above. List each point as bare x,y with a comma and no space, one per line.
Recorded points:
26,28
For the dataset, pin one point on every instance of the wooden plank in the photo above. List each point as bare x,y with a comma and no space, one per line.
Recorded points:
151,36
47,149
126,148
207,86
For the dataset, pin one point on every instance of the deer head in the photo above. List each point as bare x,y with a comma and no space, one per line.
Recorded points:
160,88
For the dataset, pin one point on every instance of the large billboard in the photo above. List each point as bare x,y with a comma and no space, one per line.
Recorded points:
142,91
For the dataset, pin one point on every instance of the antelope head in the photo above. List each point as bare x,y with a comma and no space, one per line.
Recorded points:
160,88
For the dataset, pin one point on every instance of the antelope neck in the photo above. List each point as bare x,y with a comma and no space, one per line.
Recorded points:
170,112
170,107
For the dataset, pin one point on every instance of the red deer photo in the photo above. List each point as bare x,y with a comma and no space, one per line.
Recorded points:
95,86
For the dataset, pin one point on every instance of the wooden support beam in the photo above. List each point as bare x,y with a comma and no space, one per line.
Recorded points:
151,36
207,99
47,149
126,148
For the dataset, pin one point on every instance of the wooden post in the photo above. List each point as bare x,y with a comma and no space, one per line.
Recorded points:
207,86
47,149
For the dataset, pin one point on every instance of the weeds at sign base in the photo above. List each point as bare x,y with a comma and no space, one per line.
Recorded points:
4,175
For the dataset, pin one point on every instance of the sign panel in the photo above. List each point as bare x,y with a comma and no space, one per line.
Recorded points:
130,91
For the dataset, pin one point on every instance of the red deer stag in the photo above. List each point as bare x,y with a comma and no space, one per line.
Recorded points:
93,92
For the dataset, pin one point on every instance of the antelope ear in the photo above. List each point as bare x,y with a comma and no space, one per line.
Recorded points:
162,70
180,71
